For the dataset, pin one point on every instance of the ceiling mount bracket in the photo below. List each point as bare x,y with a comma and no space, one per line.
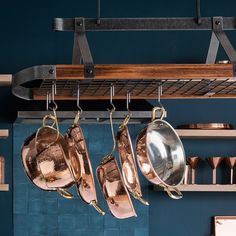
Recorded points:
218,30
81,50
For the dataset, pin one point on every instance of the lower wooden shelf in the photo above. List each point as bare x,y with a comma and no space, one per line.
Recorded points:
4,187
203,188
4,133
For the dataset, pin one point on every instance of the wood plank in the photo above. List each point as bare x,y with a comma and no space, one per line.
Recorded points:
94,97
204,134
4,187
5,80
147,71
4,133
203,188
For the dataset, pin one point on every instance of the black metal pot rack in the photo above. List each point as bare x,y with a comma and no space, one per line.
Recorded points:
208,80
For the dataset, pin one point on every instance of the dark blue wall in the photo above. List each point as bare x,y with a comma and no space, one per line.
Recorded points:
26,39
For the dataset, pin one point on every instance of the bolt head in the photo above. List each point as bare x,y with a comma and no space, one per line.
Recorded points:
217,22
90,71
79,23
51,71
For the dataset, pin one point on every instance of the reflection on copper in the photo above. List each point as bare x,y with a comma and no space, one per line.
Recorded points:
52,160
193,161
28,157
231,162
114,190
214,162
128,165
81,166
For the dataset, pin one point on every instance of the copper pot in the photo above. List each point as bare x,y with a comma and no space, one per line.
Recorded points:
112,185
30,154
81,165
128,165
161,155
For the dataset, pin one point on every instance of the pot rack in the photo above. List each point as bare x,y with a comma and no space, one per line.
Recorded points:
208,80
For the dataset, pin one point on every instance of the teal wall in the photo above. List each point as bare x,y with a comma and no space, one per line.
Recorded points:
26,39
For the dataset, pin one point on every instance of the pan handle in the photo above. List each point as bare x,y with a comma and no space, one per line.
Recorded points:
97,208
155,109
140,198
170,190
64,193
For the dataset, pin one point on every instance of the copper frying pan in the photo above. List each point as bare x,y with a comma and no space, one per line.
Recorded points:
112,184
81,165
126,156
161,155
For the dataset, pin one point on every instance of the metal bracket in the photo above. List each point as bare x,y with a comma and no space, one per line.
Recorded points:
213,49
31,75
81,50
218,29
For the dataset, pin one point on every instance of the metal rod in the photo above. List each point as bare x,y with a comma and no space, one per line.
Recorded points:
231,176
198,11
213,49
213,176
193,176
143,24
98,12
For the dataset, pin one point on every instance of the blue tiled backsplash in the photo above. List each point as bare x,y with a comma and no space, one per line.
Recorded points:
39,213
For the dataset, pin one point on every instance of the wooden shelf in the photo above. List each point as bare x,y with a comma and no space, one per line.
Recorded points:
203,188
4,187
5,80
4,133
204,134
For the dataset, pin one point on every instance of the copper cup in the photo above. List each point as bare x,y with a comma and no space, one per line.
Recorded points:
193,161
214,162
231,162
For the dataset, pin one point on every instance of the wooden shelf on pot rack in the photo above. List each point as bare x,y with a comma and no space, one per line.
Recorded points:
5,80
4,187
4,133
205,134
203,188
141,80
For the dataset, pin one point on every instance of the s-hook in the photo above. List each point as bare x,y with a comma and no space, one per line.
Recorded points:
112,94
78,106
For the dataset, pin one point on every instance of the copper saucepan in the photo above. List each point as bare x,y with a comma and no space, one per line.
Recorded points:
126,156
81,165
29,155
161,155
112,185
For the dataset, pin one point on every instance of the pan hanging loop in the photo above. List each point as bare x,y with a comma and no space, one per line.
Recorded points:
80,111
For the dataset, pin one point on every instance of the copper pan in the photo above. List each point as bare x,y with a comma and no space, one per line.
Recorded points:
81,165
112,184
161,155
126,156
32,169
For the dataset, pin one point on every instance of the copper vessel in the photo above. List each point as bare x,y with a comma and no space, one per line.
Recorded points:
33,167
231,162
208,126
161,155
112,184
2,170
81,165
214,162
193,161
128,165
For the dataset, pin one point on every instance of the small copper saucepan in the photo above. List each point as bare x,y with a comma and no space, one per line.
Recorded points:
126,156
161,155
81,165
30,154
113,186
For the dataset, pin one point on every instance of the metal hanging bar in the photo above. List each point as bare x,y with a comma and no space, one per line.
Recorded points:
142,24
81,50
213,49
198,11
98,12
218,29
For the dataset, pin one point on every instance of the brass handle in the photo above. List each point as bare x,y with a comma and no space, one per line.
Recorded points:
64,193
141,199
125,121
169,191
97,208
155,109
